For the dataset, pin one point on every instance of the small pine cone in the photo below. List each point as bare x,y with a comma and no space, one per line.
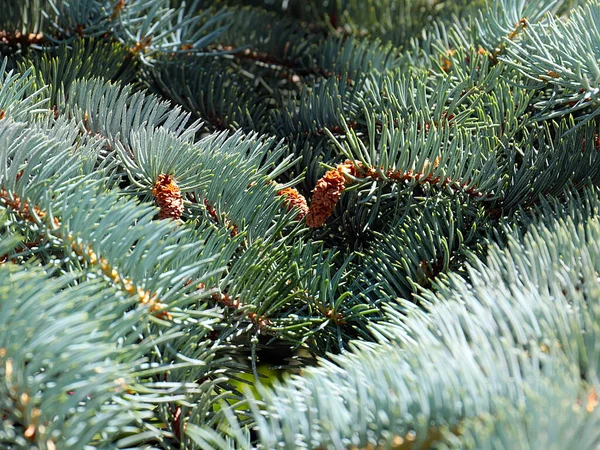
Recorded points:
328,192
168,197
294,200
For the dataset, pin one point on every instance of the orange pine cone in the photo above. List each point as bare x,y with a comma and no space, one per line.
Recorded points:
328,192
168,197
294,200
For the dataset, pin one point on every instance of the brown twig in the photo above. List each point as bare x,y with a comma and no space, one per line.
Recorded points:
22,40
329,189
224,299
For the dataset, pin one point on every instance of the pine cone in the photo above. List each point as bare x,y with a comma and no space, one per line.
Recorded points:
294,200
168,197
328,192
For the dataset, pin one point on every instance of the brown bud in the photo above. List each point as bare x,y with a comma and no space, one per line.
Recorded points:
328,192
294,200
168,197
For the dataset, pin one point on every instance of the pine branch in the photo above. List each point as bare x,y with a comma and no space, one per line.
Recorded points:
568,69
500,331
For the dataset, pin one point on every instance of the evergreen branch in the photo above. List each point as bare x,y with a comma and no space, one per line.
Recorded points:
145,27
570,69
427,155
53,208
505,21
249,199
140,264
18,98
330,188
331,104
329,58
432,237
33,214
386,19
26,18
150,154
58,67
267,38
114,111
215,92
352,58
399,147
501,332
60,360
554,158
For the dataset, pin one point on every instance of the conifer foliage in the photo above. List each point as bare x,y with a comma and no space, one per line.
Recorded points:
251,224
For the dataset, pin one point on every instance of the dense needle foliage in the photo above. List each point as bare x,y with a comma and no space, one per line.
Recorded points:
252,224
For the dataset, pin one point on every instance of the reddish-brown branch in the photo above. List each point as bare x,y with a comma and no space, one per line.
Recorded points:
519,27
234,304
269,59
329,189
141,46
23,208
117,9
336,318
596,143
224,299
336,130
212,212
29,245
21,39
291,65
